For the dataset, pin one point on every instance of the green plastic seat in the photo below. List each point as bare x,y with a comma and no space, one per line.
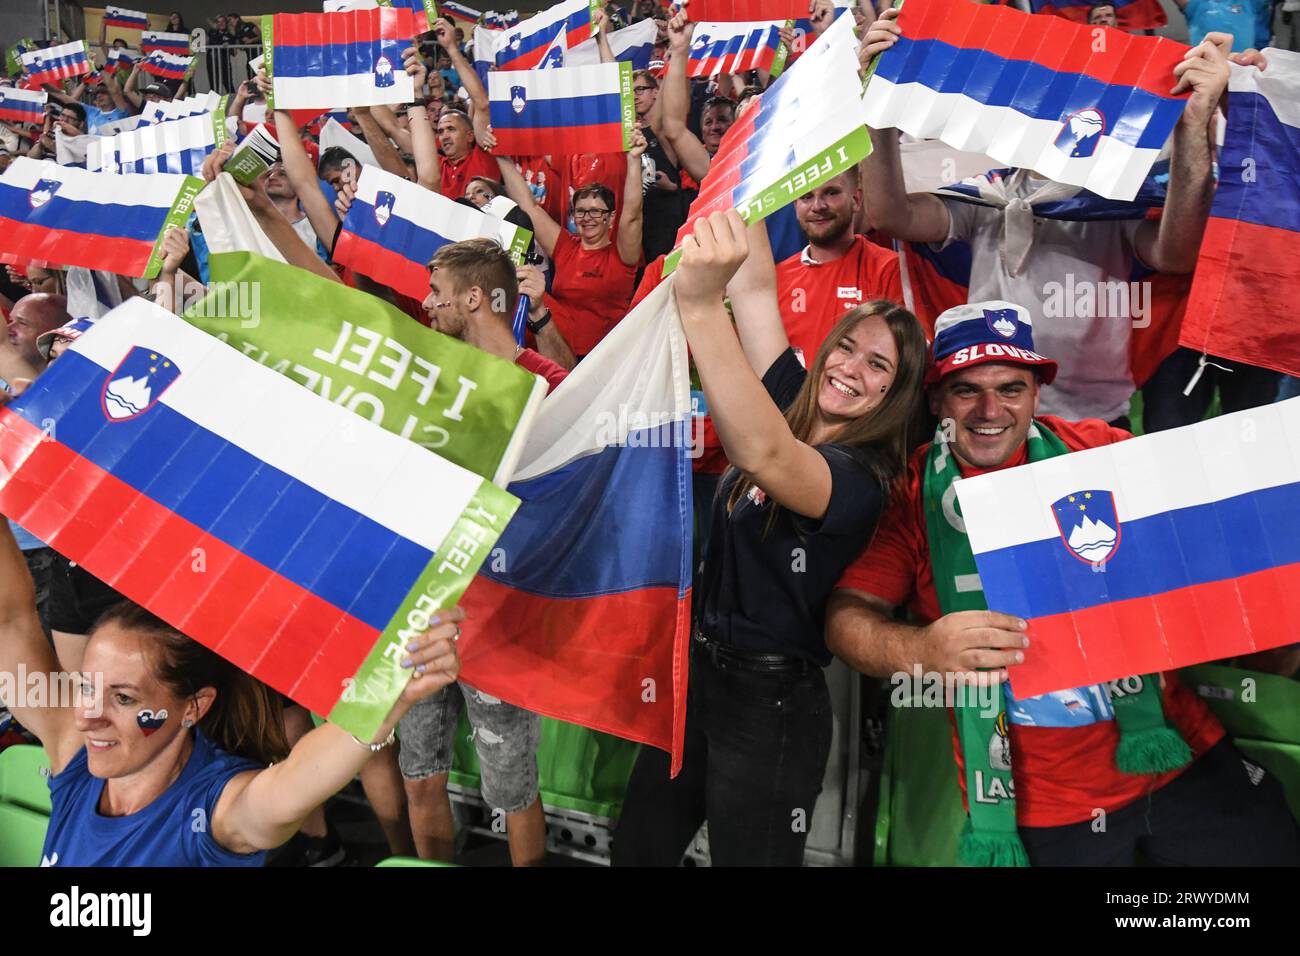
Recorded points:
24,777
22,835
411,861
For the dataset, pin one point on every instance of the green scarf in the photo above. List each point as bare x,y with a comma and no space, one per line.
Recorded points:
1147,743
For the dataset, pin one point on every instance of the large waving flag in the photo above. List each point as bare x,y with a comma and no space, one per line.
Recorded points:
394,227
302,546
330,60
733,48
179,146
177,44
22,106
522,47
577,109
126,19
97,220
165,110
1251,250
634,44
1131,14
587,616
804,129
1035,92
169,66
56,63
1148,555
745,11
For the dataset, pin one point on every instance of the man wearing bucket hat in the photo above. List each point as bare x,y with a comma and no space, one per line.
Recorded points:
1143,755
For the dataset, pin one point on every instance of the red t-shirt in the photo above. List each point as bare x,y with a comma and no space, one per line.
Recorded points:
455,176
814,296
546,184
539,364
590,293
608,169
1062,774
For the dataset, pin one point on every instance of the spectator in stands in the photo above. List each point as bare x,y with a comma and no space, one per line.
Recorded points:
595,272
1248,22
1102,14
1019,265
813,454
693,153
219,35
1062,745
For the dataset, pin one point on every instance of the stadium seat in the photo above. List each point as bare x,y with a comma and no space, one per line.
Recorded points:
22,835
410,861
24,777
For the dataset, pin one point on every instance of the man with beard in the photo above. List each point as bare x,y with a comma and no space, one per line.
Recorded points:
837,271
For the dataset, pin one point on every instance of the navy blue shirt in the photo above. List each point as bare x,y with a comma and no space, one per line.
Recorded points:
174,830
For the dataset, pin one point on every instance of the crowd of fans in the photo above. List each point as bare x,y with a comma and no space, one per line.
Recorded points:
821,389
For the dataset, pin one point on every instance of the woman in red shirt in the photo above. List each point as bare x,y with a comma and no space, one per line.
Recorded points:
595,271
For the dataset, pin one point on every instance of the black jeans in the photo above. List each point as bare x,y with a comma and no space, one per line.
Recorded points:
1218,812
1165,406
755,753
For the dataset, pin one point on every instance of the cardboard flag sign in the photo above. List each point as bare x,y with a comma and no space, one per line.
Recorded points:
459,11
595,586
55,63
587,109
97,220
179,146
394,227
554,55
326,61
195,105
22,106
1131,14
500,21
793,138
167,65
120,59
633,44
126,19
1148,555
1251,249
177,44
14,53
327,543
522,47
358,351
1033,92
744,11
734,48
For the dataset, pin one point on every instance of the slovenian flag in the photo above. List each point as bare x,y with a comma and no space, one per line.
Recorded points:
500,21
1148,555
55,63
554,57
127,19
121,59
589,619
634,44
1131,14
178,146
1251,249
794,136
302,546
733,48
168,65
745,11
582,108
522,47
97,220
177,44
327,60
458,11
394,227
22,106
1033,92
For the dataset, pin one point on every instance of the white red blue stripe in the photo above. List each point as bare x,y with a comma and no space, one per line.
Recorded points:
167,65
459,11
522,47
56,63
127,19
535,112
179,146
394,227
22,106
176,43
120,59
633,44
733,47
1148,555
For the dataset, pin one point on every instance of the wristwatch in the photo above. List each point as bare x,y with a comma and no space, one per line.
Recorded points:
540,324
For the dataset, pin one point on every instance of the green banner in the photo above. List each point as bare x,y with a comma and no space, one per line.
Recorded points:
176,217
366,701
627,101
268,59
358,351
12,61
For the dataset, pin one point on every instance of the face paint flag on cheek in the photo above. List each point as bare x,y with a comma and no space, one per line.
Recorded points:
149,720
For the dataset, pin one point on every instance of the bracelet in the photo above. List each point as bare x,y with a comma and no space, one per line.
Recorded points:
375,748
540,324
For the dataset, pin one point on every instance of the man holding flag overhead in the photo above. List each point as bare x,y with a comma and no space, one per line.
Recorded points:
1142,755
1019,256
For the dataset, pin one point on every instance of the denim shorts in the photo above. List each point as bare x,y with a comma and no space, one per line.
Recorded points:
505,737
